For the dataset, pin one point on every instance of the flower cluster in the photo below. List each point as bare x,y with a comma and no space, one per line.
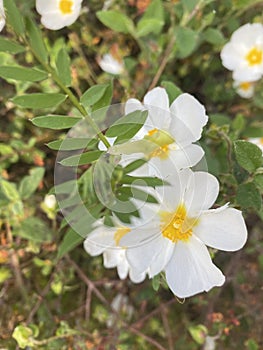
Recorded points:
243,55
171,237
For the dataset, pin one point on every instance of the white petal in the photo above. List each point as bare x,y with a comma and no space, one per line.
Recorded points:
191,271
141,257
46,6
112,257
133,105
123,269
136,277
188,119
201,193
157,102
222,229
248,74
110,65
162,258
99,240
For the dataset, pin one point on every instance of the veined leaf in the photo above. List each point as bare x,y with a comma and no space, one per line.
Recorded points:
116,20
56,122
133,192
34,229
93,95
29,183
143,181
63,67
14,17
39,100
82,159
71,144
248,155
248,196
127,126
9,190
69,242
10,46
172,90
134,165
36,39
187,41
22,73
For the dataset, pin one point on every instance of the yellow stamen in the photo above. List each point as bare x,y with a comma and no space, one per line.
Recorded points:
121,231
65,6
152,132
245,86
162,139
176,226
255,56
161,152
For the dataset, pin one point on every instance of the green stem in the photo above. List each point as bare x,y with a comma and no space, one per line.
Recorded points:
71,96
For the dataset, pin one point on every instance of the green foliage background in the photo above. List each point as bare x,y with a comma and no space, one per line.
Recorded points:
55,297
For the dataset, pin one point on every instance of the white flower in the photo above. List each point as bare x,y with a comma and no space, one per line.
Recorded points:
57,14
50,201
105,240
110,65
170,130
244,89
244,53
257,141
175,239
2,15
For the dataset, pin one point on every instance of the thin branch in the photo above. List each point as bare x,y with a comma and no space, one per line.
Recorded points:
167,327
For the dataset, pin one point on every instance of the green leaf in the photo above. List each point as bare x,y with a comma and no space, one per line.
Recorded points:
186,40
198,333
189,5
36,39
143,181
156,282
248,196
214,36
30,183
258,181
132,192
72,144
69,242
63,67
14,17
56,122
172,90
134,165
248,155
93,95
23,335
33,229
39,100
22,73
149,25
84,158
154,10
252,345
117,21
104,101
7,45
9,190
127,126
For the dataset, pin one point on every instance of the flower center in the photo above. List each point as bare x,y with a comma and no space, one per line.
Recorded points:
255,56
65,6
176,226
162,140
245,86
121,231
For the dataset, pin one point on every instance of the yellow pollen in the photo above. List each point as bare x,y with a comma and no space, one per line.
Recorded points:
121,231
261,141
152,132
245,86
176,226
161,152
255,56
65,6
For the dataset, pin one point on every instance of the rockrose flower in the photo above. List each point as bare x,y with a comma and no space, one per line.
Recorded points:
170,130
111,65
105,240
57,14
244,89
175,238
243,54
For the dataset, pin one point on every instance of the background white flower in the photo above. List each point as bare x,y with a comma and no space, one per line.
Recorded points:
105,240
2,15
175,240
111,65
244,89
57,14
243,54
171,130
